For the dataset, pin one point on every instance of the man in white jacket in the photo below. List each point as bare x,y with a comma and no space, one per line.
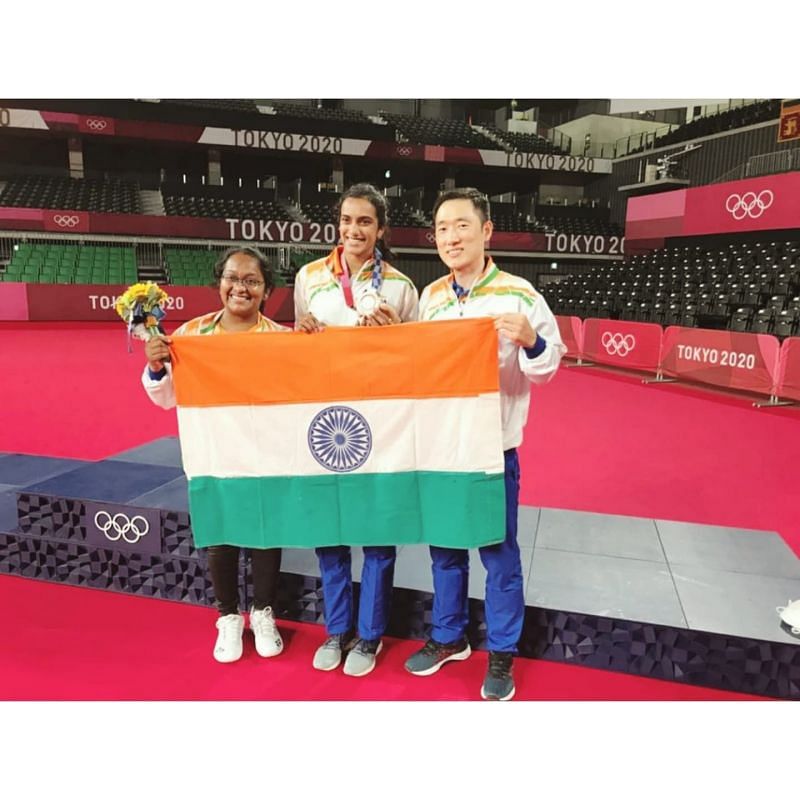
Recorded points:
529,351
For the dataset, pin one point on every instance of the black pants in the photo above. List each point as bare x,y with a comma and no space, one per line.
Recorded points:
223,564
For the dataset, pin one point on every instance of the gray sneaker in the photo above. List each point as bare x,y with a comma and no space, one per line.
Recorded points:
361,659
329,653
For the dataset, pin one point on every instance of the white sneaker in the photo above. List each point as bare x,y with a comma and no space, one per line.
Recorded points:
268,640
229,640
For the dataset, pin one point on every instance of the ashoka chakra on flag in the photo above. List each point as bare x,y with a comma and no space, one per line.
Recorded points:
340,439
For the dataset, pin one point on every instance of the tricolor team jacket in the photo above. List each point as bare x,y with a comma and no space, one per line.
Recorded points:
496,292
318,291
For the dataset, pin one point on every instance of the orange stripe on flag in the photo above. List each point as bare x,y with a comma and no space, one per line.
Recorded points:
414,360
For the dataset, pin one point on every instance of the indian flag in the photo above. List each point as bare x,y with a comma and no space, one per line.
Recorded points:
357,436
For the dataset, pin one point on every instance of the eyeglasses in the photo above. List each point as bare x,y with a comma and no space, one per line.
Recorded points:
249,283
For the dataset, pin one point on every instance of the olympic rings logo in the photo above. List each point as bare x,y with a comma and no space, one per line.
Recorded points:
66,221
749,204
122,526
96,124
430,237
616,344
404,151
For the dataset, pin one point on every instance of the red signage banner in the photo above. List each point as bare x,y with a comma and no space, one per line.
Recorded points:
789,369
13,302
400,150
768,203
655,216
619,343
453,155
571,330
250,230
744,361
103,126
423,152
65,221
68,302
22,219
278,231
755,204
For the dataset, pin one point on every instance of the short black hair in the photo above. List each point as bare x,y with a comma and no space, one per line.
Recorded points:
479,201
263,265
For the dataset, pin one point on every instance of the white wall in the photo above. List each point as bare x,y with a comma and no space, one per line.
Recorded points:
570,193
435,109
373,106
522,126
605,130
628,106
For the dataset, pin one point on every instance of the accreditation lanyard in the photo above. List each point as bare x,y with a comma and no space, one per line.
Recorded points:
462,294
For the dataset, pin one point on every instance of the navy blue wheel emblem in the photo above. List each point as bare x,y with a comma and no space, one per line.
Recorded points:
340,439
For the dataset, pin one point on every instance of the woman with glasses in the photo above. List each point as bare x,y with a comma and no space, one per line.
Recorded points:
355,285
244,281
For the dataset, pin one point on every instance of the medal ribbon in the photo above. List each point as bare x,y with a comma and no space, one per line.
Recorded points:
377,277
347,288
344,280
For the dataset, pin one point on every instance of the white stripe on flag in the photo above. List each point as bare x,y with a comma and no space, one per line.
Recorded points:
460,434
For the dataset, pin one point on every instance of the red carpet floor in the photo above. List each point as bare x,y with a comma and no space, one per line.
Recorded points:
67,643
596,441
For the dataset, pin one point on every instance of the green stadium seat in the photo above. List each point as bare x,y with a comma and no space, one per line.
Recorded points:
72,263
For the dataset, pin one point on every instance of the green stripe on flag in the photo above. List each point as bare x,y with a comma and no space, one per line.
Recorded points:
448,509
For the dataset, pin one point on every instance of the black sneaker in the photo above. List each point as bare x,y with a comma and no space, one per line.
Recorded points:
431,657
498,683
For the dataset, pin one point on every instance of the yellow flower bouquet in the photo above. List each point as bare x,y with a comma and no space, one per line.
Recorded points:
142,307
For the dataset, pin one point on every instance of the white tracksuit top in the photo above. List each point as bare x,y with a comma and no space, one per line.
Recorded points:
317,290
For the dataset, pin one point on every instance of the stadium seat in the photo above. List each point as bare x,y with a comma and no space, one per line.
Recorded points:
59,263
741,320
524,142
716,123
37,191
786,323
763,321
450,133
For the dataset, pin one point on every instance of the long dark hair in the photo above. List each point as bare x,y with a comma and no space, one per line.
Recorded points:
366,191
